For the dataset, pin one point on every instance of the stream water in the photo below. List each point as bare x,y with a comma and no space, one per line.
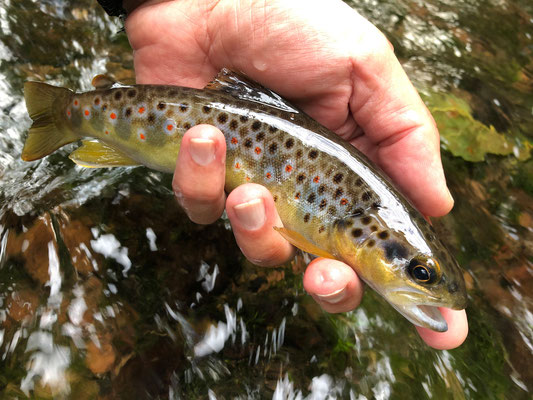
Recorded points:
108,291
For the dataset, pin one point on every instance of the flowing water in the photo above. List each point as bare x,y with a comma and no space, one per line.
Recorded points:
108,291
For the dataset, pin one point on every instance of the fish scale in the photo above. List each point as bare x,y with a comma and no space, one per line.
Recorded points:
332,201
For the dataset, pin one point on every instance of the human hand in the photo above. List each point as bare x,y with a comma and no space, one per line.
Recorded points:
333,64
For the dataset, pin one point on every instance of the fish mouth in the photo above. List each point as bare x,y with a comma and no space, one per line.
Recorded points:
426,316
420,308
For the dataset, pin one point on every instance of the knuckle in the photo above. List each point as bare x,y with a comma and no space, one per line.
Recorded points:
201,195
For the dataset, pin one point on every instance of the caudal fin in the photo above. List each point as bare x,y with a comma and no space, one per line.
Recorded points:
45,135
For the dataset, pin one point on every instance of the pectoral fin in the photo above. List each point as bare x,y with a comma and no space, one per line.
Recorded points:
302,243
99,155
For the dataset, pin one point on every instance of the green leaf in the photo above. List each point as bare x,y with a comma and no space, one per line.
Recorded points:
466,137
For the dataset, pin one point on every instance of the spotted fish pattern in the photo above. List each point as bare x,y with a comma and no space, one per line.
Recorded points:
330,197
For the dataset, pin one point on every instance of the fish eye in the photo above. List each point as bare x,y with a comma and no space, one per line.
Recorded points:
421,271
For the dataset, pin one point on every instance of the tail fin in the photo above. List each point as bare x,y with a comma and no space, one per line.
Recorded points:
44,136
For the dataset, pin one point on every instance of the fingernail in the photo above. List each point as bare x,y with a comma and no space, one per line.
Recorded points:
202,151
251,214
333,298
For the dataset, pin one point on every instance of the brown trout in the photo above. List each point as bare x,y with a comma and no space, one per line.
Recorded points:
332,201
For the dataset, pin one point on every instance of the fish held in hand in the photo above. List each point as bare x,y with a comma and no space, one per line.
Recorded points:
332,200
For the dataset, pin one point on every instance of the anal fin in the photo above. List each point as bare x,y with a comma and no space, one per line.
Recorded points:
93,154
298,240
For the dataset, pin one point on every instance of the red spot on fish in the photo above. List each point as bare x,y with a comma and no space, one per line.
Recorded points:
237,165
107,132
288,168
344,202
142,137
297,197
234,140
141,110
113,115
316,179
248,178
258,150
268,175
68,113
76,102
86,112
169,127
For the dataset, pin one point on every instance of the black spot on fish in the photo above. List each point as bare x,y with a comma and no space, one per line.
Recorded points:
275,197
161,106
272,129
384,235
97,101
272,148
131,93
151,118
359,182
300,178
366,196
332,210
187,125
233,124
222,118
311,198
306,217
248,143
371,243
260,136
127,112
373,228
289,143
376,205
243,118
256,125
313,154
323,204
395,250
358,211
338,177
321,229
321,189
338,193
357,232
183,107
104,107
118,95
206,109
365,220
299,153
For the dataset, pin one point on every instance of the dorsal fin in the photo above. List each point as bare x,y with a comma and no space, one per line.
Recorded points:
241,87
